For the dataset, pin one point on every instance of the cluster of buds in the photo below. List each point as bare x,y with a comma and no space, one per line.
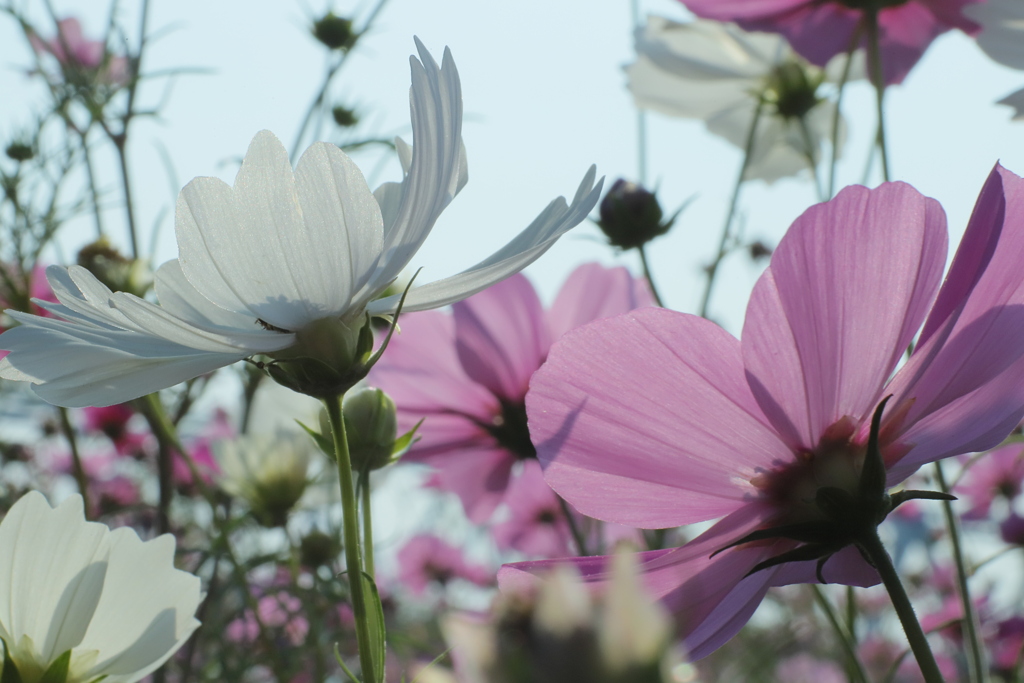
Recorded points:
561,631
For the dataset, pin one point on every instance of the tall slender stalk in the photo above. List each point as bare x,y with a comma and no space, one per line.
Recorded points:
975,653
81,478
871,545
648,276
353,544
846,640
364,492
878,80
837,114
723,244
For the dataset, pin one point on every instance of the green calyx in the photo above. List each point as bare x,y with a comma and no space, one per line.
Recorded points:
846,517
792,89
328,358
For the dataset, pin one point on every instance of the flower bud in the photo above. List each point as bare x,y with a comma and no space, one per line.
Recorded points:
20,151
344,117
631,216
371,424
317,549
269,473
335,32
117,272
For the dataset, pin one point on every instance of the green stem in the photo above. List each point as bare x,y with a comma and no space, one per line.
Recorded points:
811,156
975,654
837,114
574,528
76,459
878,80
845,637
364,491
353,546
871,545
648,276
724,242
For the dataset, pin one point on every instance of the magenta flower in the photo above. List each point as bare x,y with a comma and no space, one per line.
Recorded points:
998,474
466,375
113,422
536,523
75,53
657,419
821,29
427,559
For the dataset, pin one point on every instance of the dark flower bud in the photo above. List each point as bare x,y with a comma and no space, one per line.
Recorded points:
20,151
317,549
759,250
335,32
631,216
344,117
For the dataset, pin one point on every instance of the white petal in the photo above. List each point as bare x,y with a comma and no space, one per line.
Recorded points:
146,610
178,297
51,572
234,244
343,229
523,250
437,170
74,366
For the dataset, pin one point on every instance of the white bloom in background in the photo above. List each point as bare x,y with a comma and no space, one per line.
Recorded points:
717,72
1002,39
285,262
268,472
115,602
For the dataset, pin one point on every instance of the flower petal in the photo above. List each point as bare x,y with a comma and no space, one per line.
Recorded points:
842,276
646,420
438,168
967,379
523,250
592,292
501,337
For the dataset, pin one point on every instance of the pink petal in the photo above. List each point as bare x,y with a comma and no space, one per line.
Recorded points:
536,523
478,476
646,420
734,10
501,336
967,379
833,314
593,292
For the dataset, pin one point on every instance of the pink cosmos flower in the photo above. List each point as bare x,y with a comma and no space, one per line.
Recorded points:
466,375
112,422
821,29
998,474
427,559
74,52
536,523
658,419
279,610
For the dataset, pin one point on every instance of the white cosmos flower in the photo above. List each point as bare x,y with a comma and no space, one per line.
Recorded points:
269,472
116,602
717,72
263,260
1002,39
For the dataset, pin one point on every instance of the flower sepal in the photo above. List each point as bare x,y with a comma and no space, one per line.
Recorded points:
56,672
329,358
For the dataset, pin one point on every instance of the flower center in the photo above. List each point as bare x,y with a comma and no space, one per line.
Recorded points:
510,431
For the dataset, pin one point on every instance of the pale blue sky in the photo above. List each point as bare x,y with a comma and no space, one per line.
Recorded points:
544,98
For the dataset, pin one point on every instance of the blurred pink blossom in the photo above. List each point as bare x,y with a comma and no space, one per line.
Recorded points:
821,29
277,611
74,52
996,474
657,419
466,375
113,422
427,559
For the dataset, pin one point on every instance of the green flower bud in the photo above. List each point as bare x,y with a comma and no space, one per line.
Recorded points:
371,424
20,151
119,273
631,216
317,549
344,117
335,32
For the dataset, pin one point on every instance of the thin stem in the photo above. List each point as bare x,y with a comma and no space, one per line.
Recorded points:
364,486
90,174
837,114
843,634
851,613
167,442
76,460
975,655
878,80
871,545
647,274
724,242
574,528
353,547
641,129
812,158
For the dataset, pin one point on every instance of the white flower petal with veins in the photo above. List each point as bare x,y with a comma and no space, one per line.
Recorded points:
269,256
115,601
